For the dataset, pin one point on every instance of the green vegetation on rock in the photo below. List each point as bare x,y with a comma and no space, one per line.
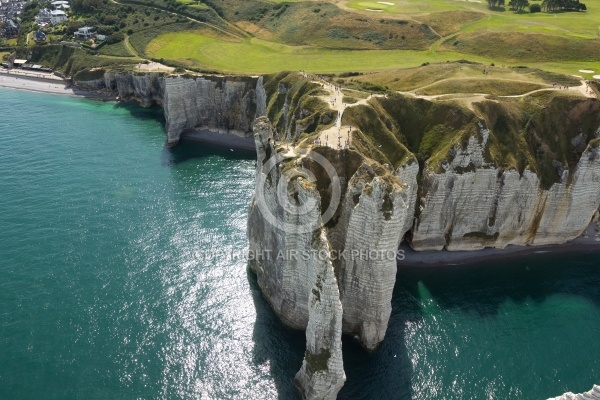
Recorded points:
318,361
293,107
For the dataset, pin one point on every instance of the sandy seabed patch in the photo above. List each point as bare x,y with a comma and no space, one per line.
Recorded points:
373,9
586,71
597,77
386,3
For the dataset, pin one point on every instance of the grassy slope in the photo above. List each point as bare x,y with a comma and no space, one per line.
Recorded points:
71,60
305,114
500,87
533,132
522,47
414,78
117,49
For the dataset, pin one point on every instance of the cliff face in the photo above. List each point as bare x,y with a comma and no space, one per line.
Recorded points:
222,104
473,204
477,183
498,173
297,277
326,271
372,220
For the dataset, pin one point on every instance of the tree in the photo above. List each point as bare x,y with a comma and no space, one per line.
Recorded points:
86,6
563,5
495,4
535,8
115,38
518,5
73,26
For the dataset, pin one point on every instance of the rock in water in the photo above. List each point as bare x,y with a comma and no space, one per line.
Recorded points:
322,374
298,280
593,394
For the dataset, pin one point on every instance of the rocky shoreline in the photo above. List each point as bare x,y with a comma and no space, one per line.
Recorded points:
47,85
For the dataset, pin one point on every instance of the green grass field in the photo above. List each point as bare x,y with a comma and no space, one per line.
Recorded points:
336,36
322,38
258,56
461,78
576,24
254,56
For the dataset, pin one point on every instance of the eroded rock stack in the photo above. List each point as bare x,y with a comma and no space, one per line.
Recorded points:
323,288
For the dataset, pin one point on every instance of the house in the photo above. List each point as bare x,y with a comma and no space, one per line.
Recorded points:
11,29
39,36
43,16
58,17
85,33
64,5
54,17
19,62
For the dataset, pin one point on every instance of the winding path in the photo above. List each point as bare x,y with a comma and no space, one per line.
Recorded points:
338,136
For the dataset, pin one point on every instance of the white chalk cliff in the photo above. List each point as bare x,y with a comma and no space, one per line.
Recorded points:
221,104
331,290
464,202
473,204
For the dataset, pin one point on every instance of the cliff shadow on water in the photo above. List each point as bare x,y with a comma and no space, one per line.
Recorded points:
387,372
154,112
186,150
483,290
276,344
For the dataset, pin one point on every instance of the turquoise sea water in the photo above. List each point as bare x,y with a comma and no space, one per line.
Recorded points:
119,279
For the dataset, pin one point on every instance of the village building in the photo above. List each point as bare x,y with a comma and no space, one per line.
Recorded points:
85,33
57,17
39,36
54,17
64,5
10,9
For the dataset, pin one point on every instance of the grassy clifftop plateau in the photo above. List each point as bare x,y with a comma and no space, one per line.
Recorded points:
545,131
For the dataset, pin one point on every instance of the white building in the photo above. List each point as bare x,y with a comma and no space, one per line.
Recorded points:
84,33
57,17
53,17
43,16
64,5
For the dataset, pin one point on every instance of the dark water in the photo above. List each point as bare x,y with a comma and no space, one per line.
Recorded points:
121,278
